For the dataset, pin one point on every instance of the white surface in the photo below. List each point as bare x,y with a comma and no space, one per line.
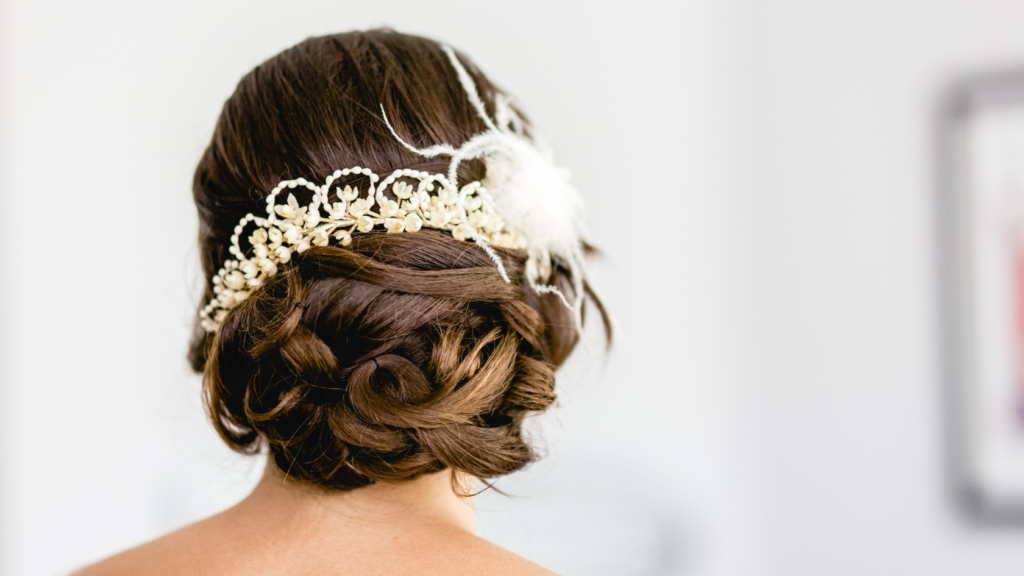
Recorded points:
106,108
840,196
777,364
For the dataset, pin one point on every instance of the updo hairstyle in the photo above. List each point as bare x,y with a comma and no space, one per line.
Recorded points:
400,354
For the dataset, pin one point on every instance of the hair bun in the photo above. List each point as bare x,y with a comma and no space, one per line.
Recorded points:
399,354
361,385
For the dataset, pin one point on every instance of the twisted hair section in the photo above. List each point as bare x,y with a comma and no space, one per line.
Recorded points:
353,369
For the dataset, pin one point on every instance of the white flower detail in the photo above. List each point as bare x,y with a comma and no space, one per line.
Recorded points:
258,237
248,268
403,190
463,232
276,237
337,211
360,206
478,219
291,210
438,219
494,223
344,237
226,297
312,218
413,223
364,224
349,193
389,209
434,204
394,225
234,280
283,254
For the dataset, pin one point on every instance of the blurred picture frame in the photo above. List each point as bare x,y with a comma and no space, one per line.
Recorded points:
981,247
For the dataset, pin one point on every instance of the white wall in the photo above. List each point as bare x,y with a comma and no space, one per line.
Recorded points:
839,199
106,108
775,387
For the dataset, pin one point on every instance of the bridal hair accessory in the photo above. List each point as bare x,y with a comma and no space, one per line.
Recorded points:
434,202
525,202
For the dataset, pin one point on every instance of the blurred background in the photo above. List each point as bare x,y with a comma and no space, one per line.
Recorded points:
762,178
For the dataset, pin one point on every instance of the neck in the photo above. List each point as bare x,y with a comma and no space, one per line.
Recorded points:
428,500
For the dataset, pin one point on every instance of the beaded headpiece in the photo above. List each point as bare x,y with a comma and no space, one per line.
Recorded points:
525,202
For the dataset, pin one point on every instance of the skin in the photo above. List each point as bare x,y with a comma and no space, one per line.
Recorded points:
420,527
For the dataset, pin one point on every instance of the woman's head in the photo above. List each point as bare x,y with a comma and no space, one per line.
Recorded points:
399,354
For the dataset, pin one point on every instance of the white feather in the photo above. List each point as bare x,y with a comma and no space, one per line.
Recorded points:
530,192
534,196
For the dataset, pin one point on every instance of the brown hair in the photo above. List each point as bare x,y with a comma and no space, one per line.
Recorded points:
396,356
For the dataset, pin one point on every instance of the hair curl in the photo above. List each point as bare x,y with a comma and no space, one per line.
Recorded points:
400,354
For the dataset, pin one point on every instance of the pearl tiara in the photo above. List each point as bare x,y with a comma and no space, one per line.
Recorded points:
466,213
525,202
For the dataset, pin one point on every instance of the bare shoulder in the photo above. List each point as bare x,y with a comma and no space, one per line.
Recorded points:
137,560
185,551
470,554
202,548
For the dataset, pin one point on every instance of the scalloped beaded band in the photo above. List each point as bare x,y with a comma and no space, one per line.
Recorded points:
467,213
